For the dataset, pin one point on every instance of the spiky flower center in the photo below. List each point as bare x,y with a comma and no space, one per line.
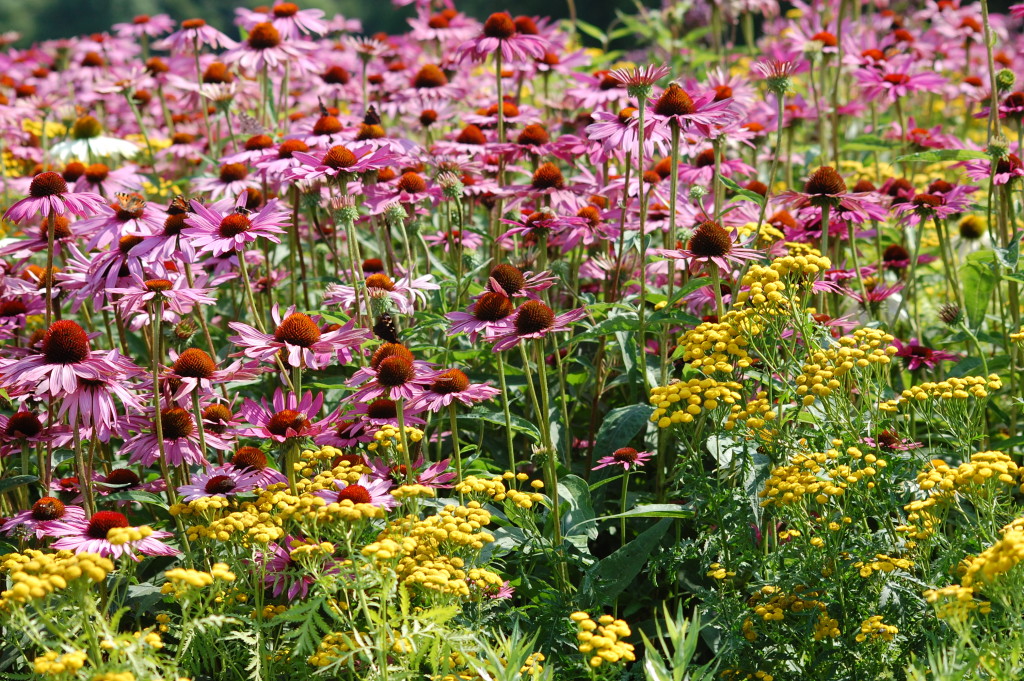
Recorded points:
216,417
285,420
471,134
674,101
451,381
47,508
289,147
500,25
258,142
336,75
382,409
249,457
264,36
412,183
357,494
177,423
534,317
548,176
297,329
381,281
47,184
103,522
327,125
825,181
390,350
285,9
192,24
430,76
86,127
65,342
533,135
233,172
492,307
509,277
219,484
625,455
23,424
158,285
97,172
194,363
710,240
234,224
339,157
394,371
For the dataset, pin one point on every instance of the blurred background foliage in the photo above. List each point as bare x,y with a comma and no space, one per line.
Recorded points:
44,19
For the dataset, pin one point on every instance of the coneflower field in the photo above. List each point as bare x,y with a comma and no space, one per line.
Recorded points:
684,349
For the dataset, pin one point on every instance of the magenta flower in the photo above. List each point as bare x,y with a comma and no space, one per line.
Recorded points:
435,475
712,243
286,417
175,296
533,319
299,340
252,459
626,457
890,441
283,573
223,481
287,18
194,371
48,194
194,34
217,233
825,187
340,161
403,293
376,492
916,355
697,114
453,386
180,440
37,519
91,537
393,373
892,79
500,33
264,49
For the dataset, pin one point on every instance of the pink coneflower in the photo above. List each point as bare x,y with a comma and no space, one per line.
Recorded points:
825,187
1008,169
222,481
231,180
37,519
619,132
125,479
64,361
513,282
627,457
252,459
93,404
192,35
486,315
500,33
144,25
287,18
210,230
916,355
264,49
48,194
698,114
299,340
712,243
23,428
180,440
454,240
639,77
91,537
451,386
402,293
376,492
194,371
340,161
175,296
434,475
877,294
893,79
393,373
532,320
702,170
928,206
365,419
286,417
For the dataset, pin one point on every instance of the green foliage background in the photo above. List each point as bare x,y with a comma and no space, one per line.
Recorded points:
43,19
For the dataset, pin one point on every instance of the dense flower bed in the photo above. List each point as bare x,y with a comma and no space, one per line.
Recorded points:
475,353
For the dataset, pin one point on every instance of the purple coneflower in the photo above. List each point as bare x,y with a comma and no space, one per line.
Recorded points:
91,537
286,417
299,340
916,355
222,481
218,233
533,319
38,518
627,457
453,386
376,492
48,194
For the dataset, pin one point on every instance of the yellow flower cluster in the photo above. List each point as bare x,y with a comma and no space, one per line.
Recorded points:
955,602
390,436
179,579
882,563
124,535
875,629
801,477
34,574
997,559
52,662
763,289
768,234
984,467
602,640
717,346
337,646
681,401
822,374
803,263
755,414
494,488
826,627
200,506
949,389
717,571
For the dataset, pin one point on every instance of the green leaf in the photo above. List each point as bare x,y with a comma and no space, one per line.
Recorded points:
591,30
575,492
519,424
943,155
620,426
978,281
868,143
613,574
746,193
1009,257
13,482
138,495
